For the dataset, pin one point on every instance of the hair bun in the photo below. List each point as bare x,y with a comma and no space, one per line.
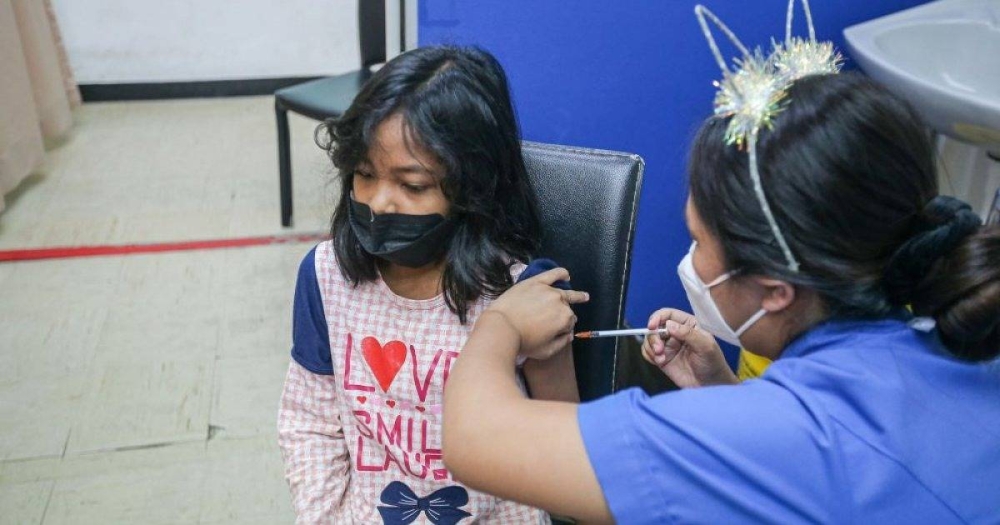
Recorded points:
943,225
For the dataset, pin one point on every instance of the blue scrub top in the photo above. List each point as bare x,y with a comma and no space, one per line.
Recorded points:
857,422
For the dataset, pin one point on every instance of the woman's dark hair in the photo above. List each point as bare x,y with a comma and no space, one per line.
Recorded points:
848,170
455,105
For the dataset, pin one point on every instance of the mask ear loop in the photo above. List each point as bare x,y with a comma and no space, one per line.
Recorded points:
788,21
750,322
718,280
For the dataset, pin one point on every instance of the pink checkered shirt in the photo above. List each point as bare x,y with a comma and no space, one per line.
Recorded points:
345,437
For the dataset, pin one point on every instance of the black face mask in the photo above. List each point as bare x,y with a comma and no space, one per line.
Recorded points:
407,240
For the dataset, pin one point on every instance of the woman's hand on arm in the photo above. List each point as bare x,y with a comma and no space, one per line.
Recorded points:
688,355
497,441
539,313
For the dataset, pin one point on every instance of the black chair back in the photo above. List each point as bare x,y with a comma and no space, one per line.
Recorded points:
589,200
371,31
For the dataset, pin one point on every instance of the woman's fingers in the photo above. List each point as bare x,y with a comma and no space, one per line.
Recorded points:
681,328
647,352
657,319
575,296
549,277
688,334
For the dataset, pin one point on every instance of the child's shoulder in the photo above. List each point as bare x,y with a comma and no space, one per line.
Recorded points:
321,262
516,269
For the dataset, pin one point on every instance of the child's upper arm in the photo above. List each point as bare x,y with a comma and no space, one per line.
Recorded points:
310,333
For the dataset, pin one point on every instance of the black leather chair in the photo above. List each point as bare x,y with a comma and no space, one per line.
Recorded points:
589,200
327,97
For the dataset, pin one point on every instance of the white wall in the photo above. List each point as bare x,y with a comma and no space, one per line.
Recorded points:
966,172
123,41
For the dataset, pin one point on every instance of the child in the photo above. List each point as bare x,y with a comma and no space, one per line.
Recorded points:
436,217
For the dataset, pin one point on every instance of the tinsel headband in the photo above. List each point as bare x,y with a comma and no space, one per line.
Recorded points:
752,94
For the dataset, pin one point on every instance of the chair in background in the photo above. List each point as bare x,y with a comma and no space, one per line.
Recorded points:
588,201
327,97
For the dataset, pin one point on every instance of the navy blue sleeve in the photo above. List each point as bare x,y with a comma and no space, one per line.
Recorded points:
310,335
538,266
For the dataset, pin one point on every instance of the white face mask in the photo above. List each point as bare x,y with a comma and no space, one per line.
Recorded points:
705,310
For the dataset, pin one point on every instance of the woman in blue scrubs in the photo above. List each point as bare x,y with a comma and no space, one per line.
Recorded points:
869,414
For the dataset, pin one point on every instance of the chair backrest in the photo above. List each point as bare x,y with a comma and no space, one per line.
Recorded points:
371,31
589,200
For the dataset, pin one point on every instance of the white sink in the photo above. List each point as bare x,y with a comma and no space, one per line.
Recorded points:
944,57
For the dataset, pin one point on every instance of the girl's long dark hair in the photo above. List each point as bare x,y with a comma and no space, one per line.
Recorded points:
848,169
456,105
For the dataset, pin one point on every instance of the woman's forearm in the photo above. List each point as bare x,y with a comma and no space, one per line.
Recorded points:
499,442
482,379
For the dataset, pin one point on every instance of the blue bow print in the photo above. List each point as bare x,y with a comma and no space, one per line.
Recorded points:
404,507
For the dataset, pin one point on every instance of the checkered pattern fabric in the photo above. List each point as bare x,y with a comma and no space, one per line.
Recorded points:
345,437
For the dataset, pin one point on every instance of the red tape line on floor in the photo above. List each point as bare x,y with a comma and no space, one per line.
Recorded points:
68,252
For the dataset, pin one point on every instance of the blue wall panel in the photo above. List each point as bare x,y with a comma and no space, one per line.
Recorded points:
627,75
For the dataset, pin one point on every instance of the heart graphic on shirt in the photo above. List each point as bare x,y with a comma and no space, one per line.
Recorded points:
383,360
390,402
362,399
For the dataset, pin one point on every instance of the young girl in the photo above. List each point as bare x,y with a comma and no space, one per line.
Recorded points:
436,217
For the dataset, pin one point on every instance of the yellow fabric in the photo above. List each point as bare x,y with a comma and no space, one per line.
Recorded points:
751,365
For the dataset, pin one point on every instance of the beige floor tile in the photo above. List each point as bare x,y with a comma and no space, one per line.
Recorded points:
266,221
24,503
103,360
52,321
91,464
164,227
241,491
274,519
247,391
264,271
166,279
125,161
142,332
6,269
256,297
44,284
163,309
49,341
82,230
137,404
38,414
257,326
168,493
15,472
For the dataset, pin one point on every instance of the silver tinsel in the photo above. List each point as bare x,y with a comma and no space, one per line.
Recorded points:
754,93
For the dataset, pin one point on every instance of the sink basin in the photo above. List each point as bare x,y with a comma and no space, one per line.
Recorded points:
944,57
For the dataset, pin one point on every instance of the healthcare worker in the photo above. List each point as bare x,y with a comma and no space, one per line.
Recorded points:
815,221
